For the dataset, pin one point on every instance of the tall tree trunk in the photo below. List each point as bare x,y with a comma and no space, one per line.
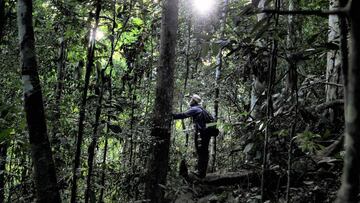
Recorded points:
89,65
102,178
258,84
132,122
269,103
61,61
2,18
3,156
111,64
344,32
293,35
89,193
219,67
349,190
162,117
187,67
333,67
291,83
44,169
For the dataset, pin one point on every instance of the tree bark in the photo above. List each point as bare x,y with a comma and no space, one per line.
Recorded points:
132,121
269,107
291,84
102,179
111,64
219,66
2,18
349,189
61,62
89,65
293,35
258,84
344,47
162,117
333,67
187,66
44,169
89,193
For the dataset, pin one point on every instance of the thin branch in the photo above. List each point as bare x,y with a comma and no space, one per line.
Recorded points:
322,13
327,105
107,18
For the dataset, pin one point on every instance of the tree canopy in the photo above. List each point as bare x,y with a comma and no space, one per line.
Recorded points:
89,89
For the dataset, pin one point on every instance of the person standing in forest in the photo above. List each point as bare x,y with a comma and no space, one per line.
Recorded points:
202,135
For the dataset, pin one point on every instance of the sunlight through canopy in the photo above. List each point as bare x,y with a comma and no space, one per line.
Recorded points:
204,6
99,35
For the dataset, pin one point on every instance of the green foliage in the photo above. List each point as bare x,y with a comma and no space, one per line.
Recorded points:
307,142
6,134
137,21
128,114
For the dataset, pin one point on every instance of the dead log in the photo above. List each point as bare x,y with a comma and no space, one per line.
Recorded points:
324,157
332,149
232,178
326,105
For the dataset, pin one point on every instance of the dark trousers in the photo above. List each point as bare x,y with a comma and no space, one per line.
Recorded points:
202,140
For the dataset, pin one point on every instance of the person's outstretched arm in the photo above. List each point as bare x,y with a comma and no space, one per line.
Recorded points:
189,113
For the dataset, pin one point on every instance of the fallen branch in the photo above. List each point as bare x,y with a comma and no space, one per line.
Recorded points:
327,105
340,11
330,150
232,178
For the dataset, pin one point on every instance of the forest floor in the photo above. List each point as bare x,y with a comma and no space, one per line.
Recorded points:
309,184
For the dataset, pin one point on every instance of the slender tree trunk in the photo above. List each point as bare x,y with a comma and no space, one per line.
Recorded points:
89,65
132,145
344,48
269,107
258,84
57,111
2,18
349,190
187,67
102,179
132,121
197,58
293,30
269,113
219,67
44,169
291,84
333,68
89,193
162,117
3,156
103,172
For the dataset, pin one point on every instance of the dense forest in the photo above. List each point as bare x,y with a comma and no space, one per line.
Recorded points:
95,98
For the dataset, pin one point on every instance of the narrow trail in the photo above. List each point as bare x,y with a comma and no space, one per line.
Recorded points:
310,185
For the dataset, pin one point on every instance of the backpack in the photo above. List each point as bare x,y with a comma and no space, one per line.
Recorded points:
210,123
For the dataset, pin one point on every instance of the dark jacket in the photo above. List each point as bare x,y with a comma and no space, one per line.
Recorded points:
194,112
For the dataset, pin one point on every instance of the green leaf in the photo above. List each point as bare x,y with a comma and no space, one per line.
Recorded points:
137,21
307,141
248,147
178,125
6,134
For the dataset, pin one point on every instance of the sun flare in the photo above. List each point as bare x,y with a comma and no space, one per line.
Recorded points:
203,6
99,35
